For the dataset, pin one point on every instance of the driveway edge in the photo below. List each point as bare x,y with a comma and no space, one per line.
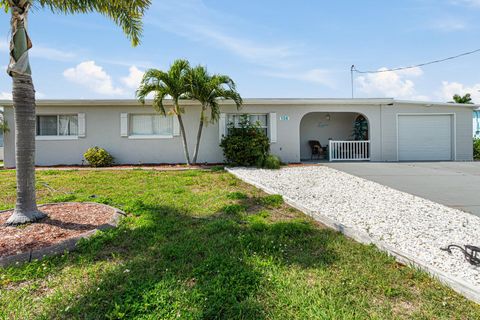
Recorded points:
460,286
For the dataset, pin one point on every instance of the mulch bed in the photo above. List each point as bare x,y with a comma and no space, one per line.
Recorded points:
64,221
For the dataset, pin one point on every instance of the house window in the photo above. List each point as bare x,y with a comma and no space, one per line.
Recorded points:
260,119
57,125
153,125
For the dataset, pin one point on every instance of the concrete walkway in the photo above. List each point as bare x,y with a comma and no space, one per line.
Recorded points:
454,184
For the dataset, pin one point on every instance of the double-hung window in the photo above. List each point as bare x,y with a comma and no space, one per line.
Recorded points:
57,126
259,119
150,126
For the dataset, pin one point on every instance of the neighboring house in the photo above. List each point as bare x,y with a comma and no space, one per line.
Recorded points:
476,123
135,134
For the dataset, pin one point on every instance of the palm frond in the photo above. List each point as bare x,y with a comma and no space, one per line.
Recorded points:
158,101
127,14
171,83
209,89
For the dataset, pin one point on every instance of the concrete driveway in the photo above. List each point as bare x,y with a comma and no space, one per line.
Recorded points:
454,184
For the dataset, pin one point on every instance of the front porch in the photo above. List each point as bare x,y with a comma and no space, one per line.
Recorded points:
334,136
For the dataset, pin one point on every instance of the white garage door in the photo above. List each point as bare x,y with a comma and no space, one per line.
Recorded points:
425,137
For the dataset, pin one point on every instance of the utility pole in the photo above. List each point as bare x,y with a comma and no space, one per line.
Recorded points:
352,69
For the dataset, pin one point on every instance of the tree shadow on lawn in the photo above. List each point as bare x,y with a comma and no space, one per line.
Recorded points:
174,265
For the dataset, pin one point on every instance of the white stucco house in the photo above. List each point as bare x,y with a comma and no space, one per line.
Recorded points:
135,134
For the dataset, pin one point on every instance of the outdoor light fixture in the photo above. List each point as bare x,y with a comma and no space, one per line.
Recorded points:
327,117
471,253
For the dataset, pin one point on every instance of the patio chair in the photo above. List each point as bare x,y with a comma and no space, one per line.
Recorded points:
316,149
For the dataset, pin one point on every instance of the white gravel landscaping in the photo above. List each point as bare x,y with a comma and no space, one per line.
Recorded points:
408,224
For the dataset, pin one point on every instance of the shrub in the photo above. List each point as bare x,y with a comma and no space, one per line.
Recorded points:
98,157
246,145
476,149
272,162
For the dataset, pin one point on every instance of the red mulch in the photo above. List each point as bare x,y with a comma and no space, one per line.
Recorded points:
64,221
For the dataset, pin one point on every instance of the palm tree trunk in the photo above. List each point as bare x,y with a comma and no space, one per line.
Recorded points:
184,137
24,105
199,137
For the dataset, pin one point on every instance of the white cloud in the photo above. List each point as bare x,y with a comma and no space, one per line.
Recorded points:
51,53
449,89
266,55
394,84
132,81
449,24
472,3
271,57
92,76
43,52
318,76
5,96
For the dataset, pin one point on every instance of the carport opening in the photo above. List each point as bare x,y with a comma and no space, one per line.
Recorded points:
334,136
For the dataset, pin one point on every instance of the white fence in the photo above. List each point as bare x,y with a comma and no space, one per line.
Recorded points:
349,150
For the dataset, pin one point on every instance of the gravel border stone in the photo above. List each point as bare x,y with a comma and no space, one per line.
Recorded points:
410,228
66,245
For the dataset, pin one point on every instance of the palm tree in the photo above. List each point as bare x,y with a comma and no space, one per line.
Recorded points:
125,13
208,90
163,84
466,99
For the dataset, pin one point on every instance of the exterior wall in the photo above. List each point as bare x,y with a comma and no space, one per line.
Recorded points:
1,153
103,130
462,125
315,126
476,123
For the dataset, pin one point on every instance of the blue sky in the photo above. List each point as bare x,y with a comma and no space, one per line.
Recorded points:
271,48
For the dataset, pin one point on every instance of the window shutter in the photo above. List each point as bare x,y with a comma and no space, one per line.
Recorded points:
81,125
176,126
272,118
124,124
222,126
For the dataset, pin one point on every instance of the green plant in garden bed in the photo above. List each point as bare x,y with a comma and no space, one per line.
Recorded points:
179,256
245,145
98,157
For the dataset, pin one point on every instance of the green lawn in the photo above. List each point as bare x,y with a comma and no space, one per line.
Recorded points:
203,245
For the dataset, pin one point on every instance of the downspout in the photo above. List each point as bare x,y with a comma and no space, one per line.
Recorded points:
381,133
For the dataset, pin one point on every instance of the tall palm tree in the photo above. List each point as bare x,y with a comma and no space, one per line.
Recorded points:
125,13
208,90
172,83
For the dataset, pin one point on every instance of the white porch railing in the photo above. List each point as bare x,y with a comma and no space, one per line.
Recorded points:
349,150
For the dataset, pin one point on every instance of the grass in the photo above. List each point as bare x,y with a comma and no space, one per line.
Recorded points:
203,245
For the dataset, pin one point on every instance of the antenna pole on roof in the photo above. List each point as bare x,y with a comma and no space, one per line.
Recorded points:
352,69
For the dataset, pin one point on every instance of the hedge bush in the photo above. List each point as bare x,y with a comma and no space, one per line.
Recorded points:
476,149
246,145
98,157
